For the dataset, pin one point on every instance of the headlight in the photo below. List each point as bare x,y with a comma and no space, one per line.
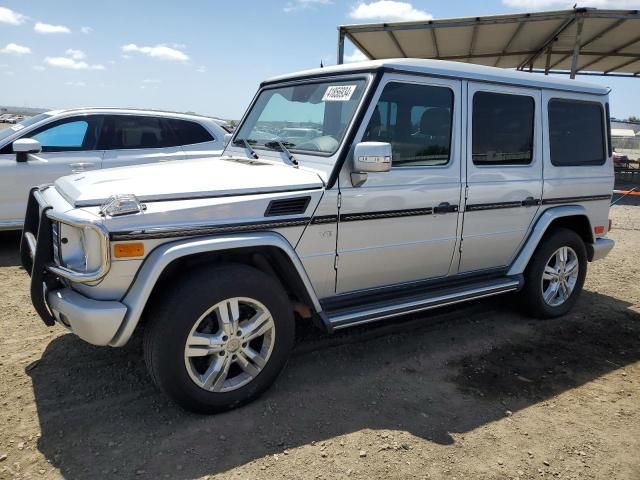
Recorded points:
78,248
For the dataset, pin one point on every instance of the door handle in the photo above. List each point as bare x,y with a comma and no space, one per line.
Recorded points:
80,166
530,202
445,207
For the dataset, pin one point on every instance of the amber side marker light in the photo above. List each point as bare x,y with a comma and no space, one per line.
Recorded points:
125,250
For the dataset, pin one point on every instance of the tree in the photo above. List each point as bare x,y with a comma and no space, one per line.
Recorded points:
633,118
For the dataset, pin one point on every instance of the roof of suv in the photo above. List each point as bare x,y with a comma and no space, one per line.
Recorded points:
136,111
443,68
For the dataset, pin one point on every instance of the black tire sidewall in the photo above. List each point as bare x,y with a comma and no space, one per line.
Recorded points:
176,315
533,294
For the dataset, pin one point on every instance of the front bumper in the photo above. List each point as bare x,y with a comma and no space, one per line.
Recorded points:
94,321
599,249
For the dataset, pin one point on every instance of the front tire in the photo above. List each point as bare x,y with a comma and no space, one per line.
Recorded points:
219,338
555,275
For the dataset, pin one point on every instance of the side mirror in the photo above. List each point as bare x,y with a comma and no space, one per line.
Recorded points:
24,146
227,138
370,157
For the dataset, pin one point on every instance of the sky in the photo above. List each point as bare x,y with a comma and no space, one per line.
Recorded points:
206,56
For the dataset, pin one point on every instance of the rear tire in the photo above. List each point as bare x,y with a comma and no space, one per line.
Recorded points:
219,338
555,275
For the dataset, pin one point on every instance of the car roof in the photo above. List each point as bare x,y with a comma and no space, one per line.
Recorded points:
137,111
443,68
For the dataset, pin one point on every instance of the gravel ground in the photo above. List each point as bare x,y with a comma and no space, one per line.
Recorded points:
474,392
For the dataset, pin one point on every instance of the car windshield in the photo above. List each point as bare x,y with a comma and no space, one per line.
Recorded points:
27,122
308,117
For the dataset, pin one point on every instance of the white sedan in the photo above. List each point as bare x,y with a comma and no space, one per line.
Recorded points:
50,145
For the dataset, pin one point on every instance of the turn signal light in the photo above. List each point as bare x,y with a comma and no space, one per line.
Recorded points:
598,229
124,250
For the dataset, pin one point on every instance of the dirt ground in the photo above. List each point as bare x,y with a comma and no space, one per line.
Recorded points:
474,392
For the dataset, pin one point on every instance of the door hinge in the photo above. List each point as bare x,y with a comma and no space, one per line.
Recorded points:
461,241
339,199
336,261
466,192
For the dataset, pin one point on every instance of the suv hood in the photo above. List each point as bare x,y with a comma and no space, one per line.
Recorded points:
185,179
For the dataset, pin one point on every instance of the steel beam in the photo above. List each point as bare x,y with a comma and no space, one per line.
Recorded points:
508,45
532,58
628,62
435,42
396,43
474,37
597,36
576,48
340,54
611,53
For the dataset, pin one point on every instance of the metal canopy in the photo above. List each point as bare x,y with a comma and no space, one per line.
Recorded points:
580,41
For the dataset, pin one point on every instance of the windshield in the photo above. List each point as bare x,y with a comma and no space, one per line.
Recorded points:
27,122
309,117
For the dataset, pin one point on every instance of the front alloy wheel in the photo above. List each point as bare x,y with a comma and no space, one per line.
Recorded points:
229,344
219,336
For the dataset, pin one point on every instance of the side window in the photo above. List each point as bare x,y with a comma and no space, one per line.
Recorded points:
502,129
124,132
68,135
189,133
416,120
576,133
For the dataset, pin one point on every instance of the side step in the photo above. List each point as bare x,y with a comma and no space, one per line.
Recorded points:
416,302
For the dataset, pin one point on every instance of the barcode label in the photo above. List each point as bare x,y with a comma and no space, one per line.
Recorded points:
339,93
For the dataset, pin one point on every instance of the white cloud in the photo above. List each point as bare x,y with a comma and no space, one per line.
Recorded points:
162,52
151,81
10,73
76,84
48,28
540,4
12,18
388,10
86,30
356,56
14,49
38,68
70,63
75,54
295,5
201,69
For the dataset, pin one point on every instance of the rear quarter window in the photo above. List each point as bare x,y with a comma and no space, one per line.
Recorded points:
189,133
576,133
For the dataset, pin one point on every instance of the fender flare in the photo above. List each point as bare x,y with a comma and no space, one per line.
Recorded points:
149,273
542,224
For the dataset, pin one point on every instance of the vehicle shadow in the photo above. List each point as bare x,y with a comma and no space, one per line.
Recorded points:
430,376
9,249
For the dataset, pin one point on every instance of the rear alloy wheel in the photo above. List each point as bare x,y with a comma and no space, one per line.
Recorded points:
219,337
555,275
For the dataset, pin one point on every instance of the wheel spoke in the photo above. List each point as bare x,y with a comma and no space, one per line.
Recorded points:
213,379
550,273
250,361
257,326
202,344
229,314
552,292
572,268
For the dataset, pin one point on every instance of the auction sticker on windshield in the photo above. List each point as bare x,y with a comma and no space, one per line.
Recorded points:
339,93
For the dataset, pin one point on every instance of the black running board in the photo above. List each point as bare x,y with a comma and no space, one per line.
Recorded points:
350,316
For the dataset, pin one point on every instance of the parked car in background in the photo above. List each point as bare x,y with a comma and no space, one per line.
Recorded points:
427,183
47,146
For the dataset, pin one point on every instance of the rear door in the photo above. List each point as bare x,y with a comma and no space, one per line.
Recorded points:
135,139
68,146
504,173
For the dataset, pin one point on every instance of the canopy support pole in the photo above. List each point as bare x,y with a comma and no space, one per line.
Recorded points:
340,46
576,48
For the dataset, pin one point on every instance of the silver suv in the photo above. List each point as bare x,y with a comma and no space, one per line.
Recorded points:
425,184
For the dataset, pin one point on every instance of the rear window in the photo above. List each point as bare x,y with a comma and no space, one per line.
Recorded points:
576,133
189,133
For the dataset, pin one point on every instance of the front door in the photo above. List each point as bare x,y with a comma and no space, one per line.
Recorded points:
504,173
401,226
68,146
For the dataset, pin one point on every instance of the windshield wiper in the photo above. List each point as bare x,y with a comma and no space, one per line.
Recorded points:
283,148
246,144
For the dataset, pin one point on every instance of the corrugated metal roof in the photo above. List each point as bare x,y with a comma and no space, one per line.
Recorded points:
584,40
